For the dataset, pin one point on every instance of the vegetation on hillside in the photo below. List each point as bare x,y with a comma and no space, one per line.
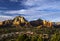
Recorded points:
19,29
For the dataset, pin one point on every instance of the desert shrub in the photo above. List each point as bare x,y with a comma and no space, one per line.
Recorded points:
55,37
22,37
40,38
34,38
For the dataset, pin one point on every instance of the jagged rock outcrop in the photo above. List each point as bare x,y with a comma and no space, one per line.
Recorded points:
41,22
7,23
19,20
47,23
1,23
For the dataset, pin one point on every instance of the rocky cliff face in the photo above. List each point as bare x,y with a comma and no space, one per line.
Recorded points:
47,23
19,20
1,23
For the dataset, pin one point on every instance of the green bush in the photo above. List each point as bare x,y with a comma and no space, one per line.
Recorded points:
40,38
23,37
55,37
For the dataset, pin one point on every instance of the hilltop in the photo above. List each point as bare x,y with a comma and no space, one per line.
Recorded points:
11,29
21,21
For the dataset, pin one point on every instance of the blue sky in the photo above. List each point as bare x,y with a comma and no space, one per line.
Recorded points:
31,9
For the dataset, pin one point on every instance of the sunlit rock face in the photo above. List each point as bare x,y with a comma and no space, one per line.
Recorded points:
19,20
1,23
47,23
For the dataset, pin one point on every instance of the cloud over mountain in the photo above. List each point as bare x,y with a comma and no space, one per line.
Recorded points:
34,9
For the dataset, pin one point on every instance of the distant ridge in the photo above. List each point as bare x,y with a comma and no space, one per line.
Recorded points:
21,21
18,20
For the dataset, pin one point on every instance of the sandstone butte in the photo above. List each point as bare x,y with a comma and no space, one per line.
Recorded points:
1,23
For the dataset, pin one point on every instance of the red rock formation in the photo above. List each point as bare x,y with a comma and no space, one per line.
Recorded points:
1,23
47,23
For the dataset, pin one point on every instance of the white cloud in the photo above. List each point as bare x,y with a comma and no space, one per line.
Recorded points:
16,11
2,18
32,14
56,19
36,9
43,4
34,2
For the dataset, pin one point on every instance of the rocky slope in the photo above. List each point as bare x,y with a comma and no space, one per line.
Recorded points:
21,21
36,22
